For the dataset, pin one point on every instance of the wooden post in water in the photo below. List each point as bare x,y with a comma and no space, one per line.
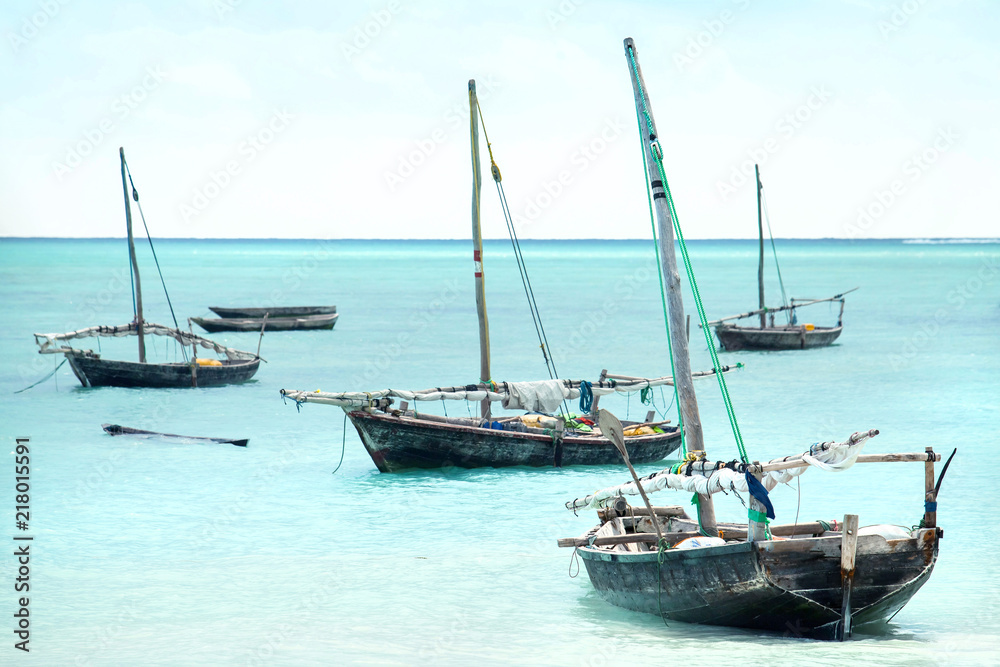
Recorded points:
477,247
848,551
668,263
930,498
760,262
135,264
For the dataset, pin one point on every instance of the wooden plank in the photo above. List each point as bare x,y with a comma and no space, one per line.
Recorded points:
862,458
668,510
848,552
604,540
619,530
873,543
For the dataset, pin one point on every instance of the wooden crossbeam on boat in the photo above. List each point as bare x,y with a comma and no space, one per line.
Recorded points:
813,528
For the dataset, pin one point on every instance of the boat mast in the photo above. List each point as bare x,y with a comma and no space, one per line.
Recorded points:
477,248
760,263
668,262
135,264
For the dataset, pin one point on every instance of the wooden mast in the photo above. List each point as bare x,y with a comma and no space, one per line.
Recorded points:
760,263
668,262
477,248
135,264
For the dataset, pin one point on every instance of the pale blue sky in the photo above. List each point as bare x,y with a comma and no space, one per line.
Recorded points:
349,120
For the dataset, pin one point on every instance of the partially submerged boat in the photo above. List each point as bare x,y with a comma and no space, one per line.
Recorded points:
818,579
266,323
93,370
116,429
769,335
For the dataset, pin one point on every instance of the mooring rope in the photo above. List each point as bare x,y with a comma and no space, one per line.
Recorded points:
343,443
43,379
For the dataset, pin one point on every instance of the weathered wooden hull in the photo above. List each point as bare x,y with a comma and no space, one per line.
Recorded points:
93,371
277,324
116,429
789,586
774,338
400,443
283,311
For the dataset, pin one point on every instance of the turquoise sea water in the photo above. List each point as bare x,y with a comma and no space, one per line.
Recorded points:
159,552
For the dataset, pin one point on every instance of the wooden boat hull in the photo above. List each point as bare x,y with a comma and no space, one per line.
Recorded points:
93,371
277,324
789,586
400,443
734,338
283,311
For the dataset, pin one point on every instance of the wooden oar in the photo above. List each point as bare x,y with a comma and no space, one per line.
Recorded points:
612,430
115,429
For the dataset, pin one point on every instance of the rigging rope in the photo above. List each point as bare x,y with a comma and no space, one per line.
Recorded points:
663,296
529,293
657,155
135,196
774,251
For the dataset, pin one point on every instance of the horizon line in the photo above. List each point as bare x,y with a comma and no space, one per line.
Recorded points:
967,239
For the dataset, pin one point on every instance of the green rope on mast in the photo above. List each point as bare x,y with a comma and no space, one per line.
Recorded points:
658,159
663,296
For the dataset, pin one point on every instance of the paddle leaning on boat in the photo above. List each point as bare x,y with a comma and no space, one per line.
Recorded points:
818,579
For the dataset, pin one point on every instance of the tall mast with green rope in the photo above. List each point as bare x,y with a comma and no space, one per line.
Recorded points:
688,402
135,263
477,248
760,263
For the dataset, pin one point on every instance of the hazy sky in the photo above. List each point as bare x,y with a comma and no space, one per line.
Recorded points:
244,118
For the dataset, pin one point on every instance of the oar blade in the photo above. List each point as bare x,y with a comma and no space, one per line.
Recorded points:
612,430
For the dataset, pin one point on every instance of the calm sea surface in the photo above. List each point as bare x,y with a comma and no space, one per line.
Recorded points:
169,552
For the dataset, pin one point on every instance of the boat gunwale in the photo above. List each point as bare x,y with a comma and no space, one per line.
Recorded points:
601,552
524,435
